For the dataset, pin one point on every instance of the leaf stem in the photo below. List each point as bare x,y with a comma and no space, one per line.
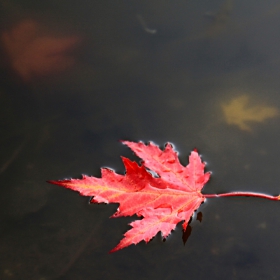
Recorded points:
261,195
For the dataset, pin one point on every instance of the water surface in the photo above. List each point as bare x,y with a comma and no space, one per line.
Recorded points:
77,76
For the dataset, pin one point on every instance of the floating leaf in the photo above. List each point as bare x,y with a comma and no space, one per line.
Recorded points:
163,198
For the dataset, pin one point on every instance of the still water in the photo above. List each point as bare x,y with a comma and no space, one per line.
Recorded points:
77,76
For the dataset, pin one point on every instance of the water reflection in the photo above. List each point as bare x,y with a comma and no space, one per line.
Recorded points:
238,112
32,54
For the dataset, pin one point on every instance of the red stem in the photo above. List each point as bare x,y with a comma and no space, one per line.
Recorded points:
261,195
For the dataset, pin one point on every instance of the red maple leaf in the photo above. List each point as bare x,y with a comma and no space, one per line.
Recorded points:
161,190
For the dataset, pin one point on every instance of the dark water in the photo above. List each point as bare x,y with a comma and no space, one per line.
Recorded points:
77,76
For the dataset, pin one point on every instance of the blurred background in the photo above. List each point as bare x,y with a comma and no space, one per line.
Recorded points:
78,76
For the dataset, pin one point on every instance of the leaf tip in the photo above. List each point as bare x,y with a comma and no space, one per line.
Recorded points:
53,182
117,248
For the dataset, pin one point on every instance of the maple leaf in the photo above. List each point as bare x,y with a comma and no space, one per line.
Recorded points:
32,54
237,112
161,191
163,200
